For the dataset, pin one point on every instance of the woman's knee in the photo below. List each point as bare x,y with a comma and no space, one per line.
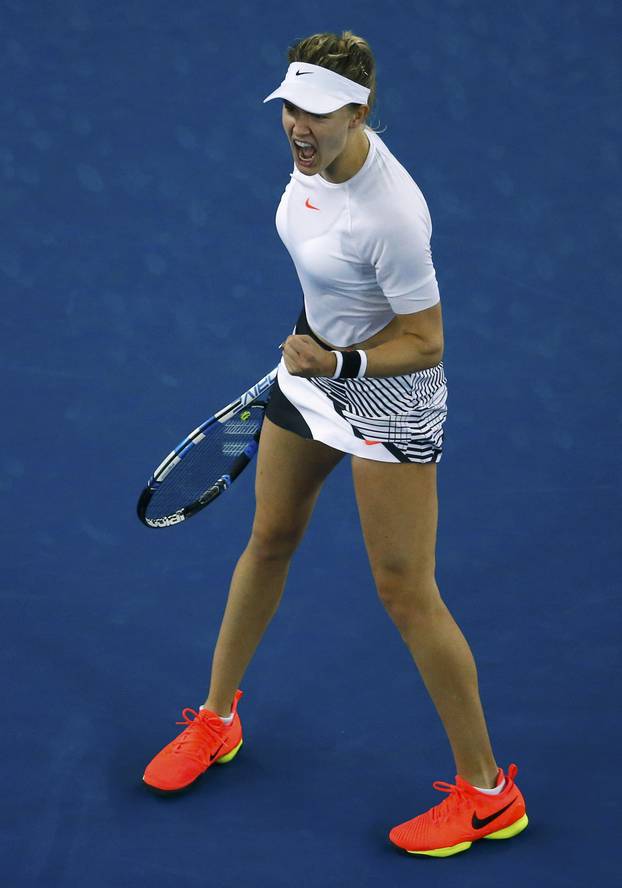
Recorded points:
408,594
275,541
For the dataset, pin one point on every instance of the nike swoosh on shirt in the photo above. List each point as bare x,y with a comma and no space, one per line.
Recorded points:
310,205
369,443
298,73
476,823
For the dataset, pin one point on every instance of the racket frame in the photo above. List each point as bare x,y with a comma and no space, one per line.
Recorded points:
184,447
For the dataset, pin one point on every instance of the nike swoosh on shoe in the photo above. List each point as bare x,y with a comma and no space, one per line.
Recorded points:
476,823
212,757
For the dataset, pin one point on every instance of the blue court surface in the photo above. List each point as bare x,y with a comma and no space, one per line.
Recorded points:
144,286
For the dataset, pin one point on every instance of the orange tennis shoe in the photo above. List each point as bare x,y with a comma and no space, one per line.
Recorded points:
207,740
463,817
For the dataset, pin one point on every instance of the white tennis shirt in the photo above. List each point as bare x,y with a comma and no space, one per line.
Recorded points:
361,248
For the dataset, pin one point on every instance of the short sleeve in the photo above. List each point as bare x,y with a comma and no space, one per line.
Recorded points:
402,259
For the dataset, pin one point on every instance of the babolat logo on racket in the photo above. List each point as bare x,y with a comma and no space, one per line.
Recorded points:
166,521
245,416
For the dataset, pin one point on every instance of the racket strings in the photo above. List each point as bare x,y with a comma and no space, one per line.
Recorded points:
206,462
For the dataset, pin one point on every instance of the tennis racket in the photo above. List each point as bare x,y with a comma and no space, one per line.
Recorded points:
207,462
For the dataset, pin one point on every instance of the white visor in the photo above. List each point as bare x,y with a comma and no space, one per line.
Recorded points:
318,90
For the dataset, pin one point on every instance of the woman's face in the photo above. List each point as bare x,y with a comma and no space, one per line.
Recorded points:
332,136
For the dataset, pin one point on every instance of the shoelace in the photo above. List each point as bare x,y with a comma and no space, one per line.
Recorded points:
203,734
456,798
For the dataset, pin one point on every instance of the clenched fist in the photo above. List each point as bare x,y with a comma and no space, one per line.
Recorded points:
304,357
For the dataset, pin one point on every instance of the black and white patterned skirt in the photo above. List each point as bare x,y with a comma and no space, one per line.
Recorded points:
391,419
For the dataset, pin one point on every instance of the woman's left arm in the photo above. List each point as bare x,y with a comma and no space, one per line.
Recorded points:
418,345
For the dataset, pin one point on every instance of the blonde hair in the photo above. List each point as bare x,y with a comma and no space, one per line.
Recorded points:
348,55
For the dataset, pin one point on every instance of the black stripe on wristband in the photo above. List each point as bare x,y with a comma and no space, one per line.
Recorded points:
351,365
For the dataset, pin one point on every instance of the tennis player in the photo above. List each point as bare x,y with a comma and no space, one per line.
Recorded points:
362,374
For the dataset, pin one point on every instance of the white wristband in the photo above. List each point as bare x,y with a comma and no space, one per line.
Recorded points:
363,366
339,357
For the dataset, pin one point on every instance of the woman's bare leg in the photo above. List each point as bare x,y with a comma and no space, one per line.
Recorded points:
398,509
290,474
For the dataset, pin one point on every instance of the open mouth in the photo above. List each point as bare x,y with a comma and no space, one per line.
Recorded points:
305,152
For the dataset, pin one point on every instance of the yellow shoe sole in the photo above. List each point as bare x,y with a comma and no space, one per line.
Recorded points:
230,755
445,852
512,830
